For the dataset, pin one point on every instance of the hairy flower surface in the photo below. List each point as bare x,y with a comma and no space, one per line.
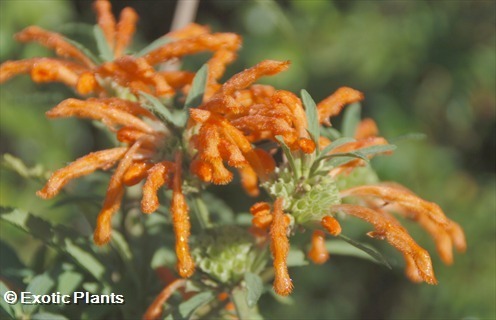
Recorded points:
273,139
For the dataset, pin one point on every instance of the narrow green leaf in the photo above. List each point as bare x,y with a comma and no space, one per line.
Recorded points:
352,154
48,316
296,258
195,95
335,144
312,117
378,257
351,119
360,153
187,308
7,308
287,153
104,51
154,45
39,285
254,285
85,259
68,282
84,50
158,109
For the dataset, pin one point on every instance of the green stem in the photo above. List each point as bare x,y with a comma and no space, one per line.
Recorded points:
201,212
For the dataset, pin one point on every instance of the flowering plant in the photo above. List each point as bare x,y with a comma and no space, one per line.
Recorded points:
178,132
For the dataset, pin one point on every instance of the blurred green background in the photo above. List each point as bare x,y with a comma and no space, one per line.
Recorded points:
424,66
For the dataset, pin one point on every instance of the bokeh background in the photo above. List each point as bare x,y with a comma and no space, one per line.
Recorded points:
424,66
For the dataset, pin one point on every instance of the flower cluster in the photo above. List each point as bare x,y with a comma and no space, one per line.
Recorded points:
237,124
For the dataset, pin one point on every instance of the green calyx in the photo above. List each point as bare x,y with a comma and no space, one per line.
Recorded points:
306,199
226,253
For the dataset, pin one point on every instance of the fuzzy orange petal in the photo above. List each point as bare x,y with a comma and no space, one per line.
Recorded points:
200,43
136,172
331,225
245,78
180,220
106,20
157,177
125,30
97,111
332,105
53,41
279,247
81,167
395,235
113,198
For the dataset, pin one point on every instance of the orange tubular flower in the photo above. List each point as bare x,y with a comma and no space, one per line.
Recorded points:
279,246
318,252
87,76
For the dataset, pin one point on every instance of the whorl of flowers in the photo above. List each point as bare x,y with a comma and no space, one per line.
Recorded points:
166,145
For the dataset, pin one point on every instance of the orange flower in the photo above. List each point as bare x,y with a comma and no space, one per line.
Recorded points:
88,76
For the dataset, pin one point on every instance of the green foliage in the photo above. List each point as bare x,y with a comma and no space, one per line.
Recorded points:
195,95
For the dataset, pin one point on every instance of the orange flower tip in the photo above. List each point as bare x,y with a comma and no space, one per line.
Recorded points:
45,194
147,207
331,225
306,145
186,268
283,286
262,221
101,237
199,115
318,253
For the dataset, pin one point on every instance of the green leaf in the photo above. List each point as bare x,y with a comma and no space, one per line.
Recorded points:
377,257
187,308
161,111
104,51
331,133
84,50
154,45
363,153
296,258
39,285
312,117
164,256
243,310
351,119
85,259
48,316
7,308
254,285
335,144
68,282
288,153
17,165
59,237
195,95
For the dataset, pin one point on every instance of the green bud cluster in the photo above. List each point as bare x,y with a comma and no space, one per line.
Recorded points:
306,199
226,253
